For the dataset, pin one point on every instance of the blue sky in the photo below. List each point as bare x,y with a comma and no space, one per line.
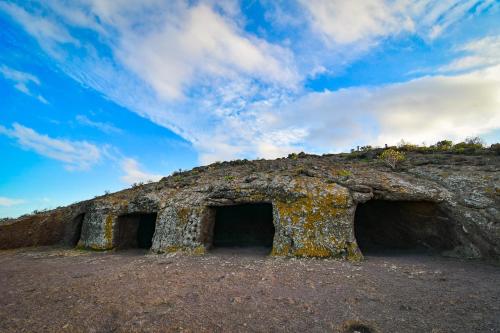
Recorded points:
96,95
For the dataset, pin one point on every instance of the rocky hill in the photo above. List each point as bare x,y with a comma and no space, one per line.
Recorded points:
304,205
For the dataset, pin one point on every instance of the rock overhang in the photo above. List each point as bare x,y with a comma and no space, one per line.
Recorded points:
313,198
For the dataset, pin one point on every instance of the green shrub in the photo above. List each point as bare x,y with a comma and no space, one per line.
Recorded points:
495,148
392,157
406,146
344,173
474,141
341,173
470,144
444,145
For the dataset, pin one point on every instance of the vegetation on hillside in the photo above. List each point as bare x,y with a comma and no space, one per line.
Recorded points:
471,145
392,157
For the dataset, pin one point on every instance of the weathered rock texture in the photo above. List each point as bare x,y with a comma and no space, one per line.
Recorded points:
314,200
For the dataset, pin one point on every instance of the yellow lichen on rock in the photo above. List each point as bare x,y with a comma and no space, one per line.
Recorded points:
281,250
108,230
108,234
313,250
353,252
199,250
313,218
183,215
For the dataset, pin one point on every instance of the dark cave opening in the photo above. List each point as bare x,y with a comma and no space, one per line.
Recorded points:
398,226
73,236
136,230
243,225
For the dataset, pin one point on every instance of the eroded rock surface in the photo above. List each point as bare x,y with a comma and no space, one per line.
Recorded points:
314,201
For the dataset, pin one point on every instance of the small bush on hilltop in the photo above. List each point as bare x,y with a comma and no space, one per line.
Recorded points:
407,146
475,141
470,144
495,148
392,157
443,145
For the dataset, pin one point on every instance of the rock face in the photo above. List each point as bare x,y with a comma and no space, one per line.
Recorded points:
322,206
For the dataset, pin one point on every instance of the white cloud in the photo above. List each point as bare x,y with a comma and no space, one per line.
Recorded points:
363,22
134,174
345,22
21,81
205,44
9,202
104,127
191,67
74,154
482,52
18,76
48,33
42,99
169,45
182,66
426,109
253,135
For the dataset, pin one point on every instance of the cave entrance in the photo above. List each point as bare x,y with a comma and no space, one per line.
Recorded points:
403,226
136,230
243,225
74,230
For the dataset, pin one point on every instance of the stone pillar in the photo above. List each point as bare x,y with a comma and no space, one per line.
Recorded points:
98,230
317,224
178,228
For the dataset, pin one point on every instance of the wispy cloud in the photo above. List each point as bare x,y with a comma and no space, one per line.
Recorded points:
76,155
365,22
48,32
192,67
373,19
9,202
479,53
188,66
102,126
206,44
426,109
21,81
134,174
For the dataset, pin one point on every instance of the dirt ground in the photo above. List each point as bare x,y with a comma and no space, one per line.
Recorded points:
60,290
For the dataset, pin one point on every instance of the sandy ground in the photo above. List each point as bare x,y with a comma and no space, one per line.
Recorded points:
59,290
